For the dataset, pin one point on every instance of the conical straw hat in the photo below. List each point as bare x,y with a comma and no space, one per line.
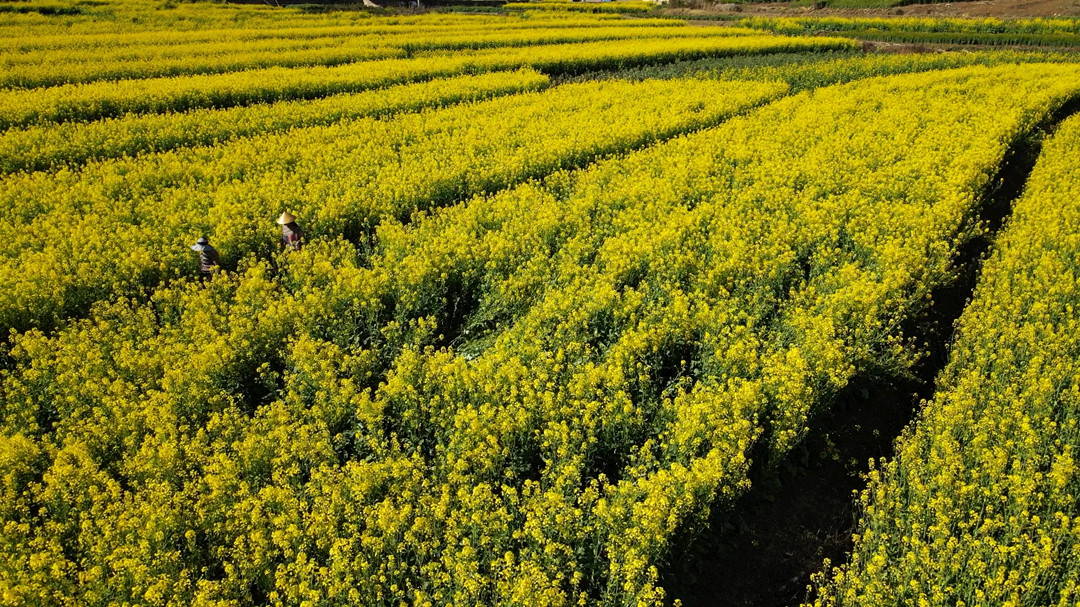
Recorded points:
286,217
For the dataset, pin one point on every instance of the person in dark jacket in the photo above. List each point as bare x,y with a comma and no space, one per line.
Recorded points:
291,234
208,257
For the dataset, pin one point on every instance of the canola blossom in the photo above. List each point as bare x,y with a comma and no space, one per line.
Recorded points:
979,505
520,399
344,178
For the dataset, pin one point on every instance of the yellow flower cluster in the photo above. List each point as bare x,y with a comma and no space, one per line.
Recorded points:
104,99
517,400
979,507
79,235
73,143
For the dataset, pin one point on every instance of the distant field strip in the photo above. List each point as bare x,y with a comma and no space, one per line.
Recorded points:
582,7
77,68
108,99
796,25
523,399
1008,39
443,25
990,32
979,507
342,178
122,46
298,30
137,17
811,70
50,68
73,143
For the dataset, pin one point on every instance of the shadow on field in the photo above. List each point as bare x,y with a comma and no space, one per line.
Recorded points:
761,550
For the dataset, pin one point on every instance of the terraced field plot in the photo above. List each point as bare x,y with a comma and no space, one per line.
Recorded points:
569,284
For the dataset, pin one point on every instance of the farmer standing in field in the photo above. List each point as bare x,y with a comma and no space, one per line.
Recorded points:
208,257
291,234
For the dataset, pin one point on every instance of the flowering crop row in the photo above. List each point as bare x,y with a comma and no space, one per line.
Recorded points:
1030,32
73,143
422,36
342,178
847,69
614,7
285,30
517,400
105,99
823,72
979,507
111,17
123,21
802,25
810,70
65,67
1070,40
50,68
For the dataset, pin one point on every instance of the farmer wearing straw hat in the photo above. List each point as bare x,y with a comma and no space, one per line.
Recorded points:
291,234
208,257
